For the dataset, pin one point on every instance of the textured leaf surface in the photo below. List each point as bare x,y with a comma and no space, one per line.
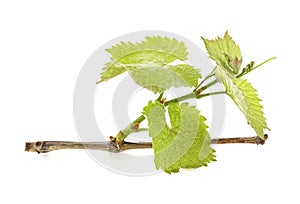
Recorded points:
186,144
111,70
225,52
158,78
246,98
148,63
153,49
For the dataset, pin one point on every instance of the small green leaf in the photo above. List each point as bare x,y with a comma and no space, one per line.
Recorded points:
148,63
246,98
225,52
186,144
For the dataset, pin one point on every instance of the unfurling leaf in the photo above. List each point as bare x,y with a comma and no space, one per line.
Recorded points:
148,63
246,98
186,144
225,52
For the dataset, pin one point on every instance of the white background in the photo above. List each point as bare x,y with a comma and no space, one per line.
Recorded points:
42,49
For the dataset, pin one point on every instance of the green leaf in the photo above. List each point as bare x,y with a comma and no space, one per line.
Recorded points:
186,144
246,98
148,63
154,49
225,52
187,73
111,70
158,78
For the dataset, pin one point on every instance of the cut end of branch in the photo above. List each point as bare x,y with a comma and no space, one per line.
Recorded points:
28,146
36,147
262,141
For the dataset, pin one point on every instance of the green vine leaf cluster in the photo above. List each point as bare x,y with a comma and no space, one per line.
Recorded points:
225,52
151,64
245,97
228,57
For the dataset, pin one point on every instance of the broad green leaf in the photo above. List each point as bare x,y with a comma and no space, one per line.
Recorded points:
154,50
158,78
148,63
246,98
186,144
225,52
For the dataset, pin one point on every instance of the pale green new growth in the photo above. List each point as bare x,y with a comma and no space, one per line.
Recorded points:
246,98
225,52
151,64
148,63
228,57
186,144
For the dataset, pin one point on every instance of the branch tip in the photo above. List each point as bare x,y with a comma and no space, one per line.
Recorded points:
262,141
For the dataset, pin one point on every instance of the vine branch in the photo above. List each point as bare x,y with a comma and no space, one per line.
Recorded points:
110,146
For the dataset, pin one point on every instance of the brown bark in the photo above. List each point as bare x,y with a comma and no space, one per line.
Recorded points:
47,146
